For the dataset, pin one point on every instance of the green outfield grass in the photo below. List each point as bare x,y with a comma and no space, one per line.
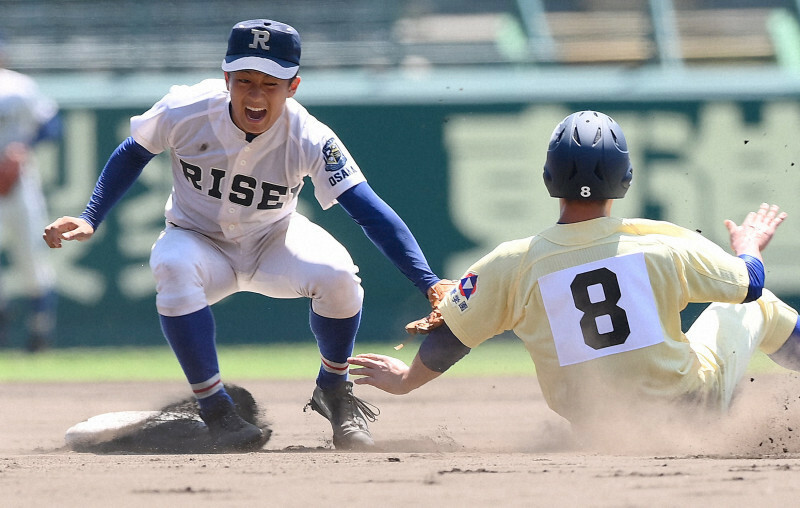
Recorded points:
500,357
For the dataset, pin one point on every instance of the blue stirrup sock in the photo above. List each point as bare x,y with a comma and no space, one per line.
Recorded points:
788,355
335,339
193,340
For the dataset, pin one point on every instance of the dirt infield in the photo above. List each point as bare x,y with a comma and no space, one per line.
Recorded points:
456,442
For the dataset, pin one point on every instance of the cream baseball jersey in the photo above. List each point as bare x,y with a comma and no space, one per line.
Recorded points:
597,304
23,110
225,185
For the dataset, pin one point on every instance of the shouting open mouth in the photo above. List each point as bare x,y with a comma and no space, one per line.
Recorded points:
255,114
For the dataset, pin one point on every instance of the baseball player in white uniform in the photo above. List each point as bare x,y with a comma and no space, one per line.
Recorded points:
597,299
26,118
240,149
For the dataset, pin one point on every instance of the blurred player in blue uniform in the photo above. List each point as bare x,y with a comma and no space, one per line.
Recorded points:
26,118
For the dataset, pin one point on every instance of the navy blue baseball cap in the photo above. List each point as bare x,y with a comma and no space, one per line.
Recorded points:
263,45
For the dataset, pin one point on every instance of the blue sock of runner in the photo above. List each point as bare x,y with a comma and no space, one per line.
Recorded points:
336,339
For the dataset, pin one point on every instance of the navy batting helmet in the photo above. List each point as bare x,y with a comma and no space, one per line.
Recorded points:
588,158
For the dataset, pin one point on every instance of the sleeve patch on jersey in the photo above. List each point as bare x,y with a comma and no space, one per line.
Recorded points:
468,285
334,158
465,289
601,308
458,300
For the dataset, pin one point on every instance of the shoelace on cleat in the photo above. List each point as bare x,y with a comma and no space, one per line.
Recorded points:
370,411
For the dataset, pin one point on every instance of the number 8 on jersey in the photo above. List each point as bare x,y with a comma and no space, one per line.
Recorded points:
601,308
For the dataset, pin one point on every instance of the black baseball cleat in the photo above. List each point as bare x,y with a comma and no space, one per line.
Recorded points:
229,431
348,416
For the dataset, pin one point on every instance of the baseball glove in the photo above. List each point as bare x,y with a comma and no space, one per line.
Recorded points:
426,324
436,294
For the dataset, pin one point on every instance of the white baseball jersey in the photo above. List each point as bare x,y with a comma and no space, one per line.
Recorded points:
597,304
227,187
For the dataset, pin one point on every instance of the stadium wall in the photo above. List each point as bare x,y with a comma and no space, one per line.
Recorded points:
457,154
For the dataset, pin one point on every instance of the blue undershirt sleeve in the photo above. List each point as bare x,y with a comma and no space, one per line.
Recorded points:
755,269
122,169
389,233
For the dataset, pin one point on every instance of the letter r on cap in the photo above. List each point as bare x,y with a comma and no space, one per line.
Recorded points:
260,38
